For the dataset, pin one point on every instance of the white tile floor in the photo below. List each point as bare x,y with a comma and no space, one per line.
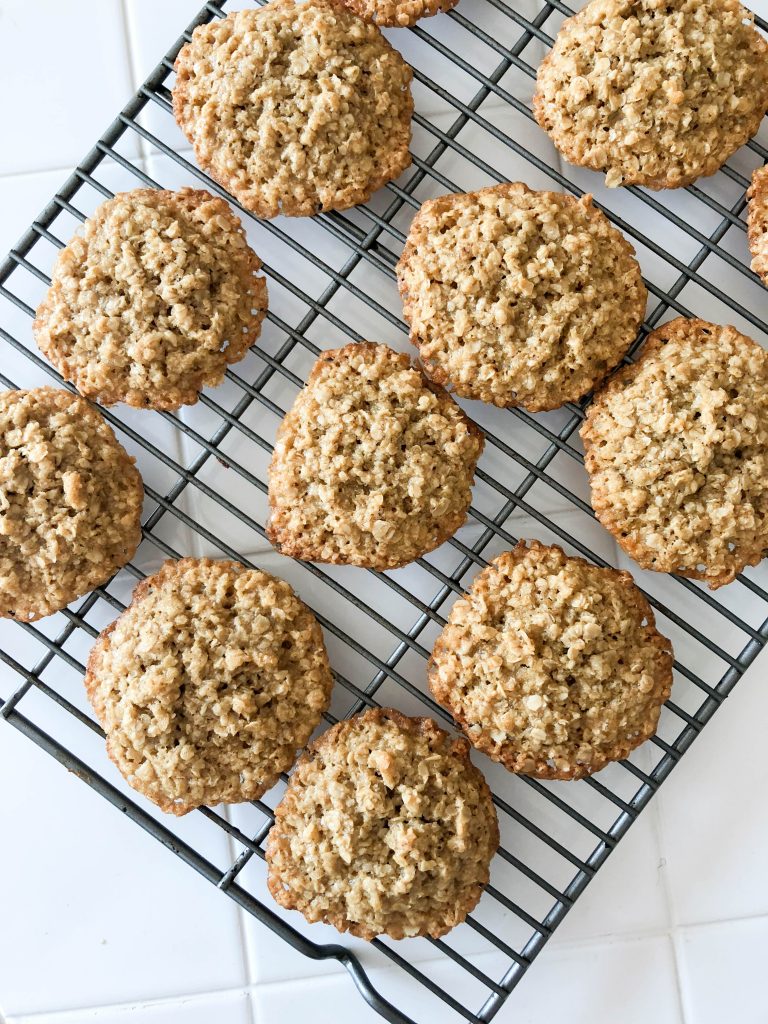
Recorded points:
100,923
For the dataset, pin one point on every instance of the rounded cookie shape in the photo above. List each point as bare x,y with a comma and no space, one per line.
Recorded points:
208,683
757,221
551,665
677,452
153,300
386,828
397,13
373,465
654,92
295,108
517,297
70,502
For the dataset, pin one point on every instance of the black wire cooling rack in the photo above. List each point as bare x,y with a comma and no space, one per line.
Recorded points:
331,279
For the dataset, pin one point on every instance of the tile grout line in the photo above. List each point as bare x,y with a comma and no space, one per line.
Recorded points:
686,1010
192,539
146,1001
133,68
658,829
248,959
240,923
254,1016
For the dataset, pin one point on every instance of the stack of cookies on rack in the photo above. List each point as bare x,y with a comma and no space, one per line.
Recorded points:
216,676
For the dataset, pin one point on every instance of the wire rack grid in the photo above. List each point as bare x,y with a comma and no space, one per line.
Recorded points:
331,279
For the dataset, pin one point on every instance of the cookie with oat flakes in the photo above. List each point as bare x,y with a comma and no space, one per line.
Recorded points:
654,92
153,300
208,683
676,446
295,108
518,297
386,828
70,502
757,221
550,665
373,465
397,13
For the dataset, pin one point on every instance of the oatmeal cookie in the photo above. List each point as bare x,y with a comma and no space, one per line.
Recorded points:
295,108
386,827
518,297
208,683
153,300
677,452
397,13
373,465
757,222
70,502
551,665
654,92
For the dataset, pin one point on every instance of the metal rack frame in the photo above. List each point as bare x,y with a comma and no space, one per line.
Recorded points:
371,238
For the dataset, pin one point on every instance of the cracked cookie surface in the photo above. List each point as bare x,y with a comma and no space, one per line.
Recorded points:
373,465
517,297
676,446
208,683
295,108
654,92
70,502
153,300
386,827
757,222
552,666
397,13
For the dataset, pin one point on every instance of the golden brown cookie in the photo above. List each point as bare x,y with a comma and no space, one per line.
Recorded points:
208,683
757,222
386,827
70,502
677,452
373,465
518,297
654,92
551,665
295,108
153,300
397,13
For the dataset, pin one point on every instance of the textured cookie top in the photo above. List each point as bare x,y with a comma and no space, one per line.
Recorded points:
677,452
208,683
757,221
70,502
397,13
295,107
552,666
373,465
654,92
152,301
386,828
518,297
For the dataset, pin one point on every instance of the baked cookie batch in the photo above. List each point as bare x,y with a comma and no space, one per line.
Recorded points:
216,675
